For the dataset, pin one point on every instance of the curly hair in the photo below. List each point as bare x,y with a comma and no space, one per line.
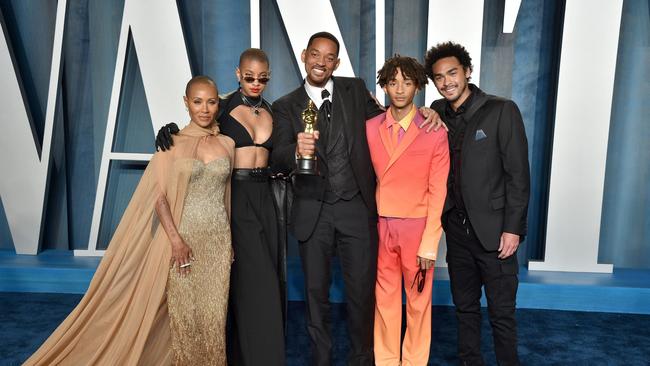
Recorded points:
410,68
446,49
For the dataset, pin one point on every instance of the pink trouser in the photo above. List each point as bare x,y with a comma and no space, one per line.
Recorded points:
399,240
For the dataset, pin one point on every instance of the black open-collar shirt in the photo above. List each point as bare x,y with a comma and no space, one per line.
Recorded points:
457,126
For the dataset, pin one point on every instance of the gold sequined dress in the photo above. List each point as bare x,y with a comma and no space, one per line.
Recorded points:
198,302
124,317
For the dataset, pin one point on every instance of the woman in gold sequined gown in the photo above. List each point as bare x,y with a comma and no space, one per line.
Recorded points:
198,301
160,294
198,283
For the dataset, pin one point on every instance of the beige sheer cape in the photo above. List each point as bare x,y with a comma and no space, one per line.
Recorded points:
122,319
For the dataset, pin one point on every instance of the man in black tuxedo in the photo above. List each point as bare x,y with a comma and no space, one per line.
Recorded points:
334,211
487,201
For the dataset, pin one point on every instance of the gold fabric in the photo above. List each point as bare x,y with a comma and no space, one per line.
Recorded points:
198,302
123,318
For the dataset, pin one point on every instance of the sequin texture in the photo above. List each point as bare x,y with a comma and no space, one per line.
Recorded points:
198,302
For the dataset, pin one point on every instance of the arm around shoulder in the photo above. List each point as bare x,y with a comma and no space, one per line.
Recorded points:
372,106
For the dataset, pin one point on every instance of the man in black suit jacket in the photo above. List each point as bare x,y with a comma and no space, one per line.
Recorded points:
487,201
334,211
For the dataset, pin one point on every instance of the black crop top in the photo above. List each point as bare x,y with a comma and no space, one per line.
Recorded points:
232,128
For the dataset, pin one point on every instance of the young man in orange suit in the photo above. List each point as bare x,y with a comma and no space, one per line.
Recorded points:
411,168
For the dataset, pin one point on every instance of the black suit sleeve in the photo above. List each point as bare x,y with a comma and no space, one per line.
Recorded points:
438,106
513,146
371,106
283,156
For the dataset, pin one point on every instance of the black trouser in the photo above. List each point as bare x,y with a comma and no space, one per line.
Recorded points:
470,268
255,301
343,227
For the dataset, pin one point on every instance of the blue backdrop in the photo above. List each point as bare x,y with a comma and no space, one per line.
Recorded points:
522,65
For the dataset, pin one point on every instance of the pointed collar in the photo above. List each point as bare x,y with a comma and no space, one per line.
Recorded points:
314,92
404,122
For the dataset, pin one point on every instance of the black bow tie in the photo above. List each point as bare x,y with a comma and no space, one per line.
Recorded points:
327,105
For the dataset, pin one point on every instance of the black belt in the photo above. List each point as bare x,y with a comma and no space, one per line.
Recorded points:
253,175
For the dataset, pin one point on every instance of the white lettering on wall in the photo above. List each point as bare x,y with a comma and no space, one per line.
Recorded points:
158,40
299,26
589,47
444,26
24,173
469,33
584,104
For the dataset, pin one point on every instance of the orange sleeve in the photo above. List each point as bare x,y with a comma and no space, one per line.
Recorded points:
436,195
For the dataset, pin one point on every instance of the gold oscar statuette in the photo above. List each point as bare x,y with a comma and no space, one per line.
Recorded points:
307,163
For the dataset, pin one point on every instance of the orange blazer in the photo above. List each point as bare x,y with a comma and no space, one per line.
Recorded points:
412,179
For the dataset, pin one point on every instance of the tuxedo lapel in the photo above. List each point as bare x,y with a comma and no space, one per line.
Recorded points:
410,136
386,138
300,103
472,122
340,101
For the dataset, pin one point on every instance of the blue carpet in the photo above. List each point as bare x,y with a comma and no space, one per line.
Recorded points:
547,337
624,291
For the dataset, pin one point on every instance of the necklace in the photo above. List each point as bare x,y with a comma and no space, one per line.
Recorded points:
254,107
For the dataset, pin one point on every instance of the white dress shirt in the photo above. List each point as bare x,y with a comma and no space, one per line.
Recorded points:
314,92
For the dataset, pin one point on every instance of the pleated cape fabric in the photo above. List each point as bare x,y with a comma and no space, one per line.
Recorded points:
122,319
